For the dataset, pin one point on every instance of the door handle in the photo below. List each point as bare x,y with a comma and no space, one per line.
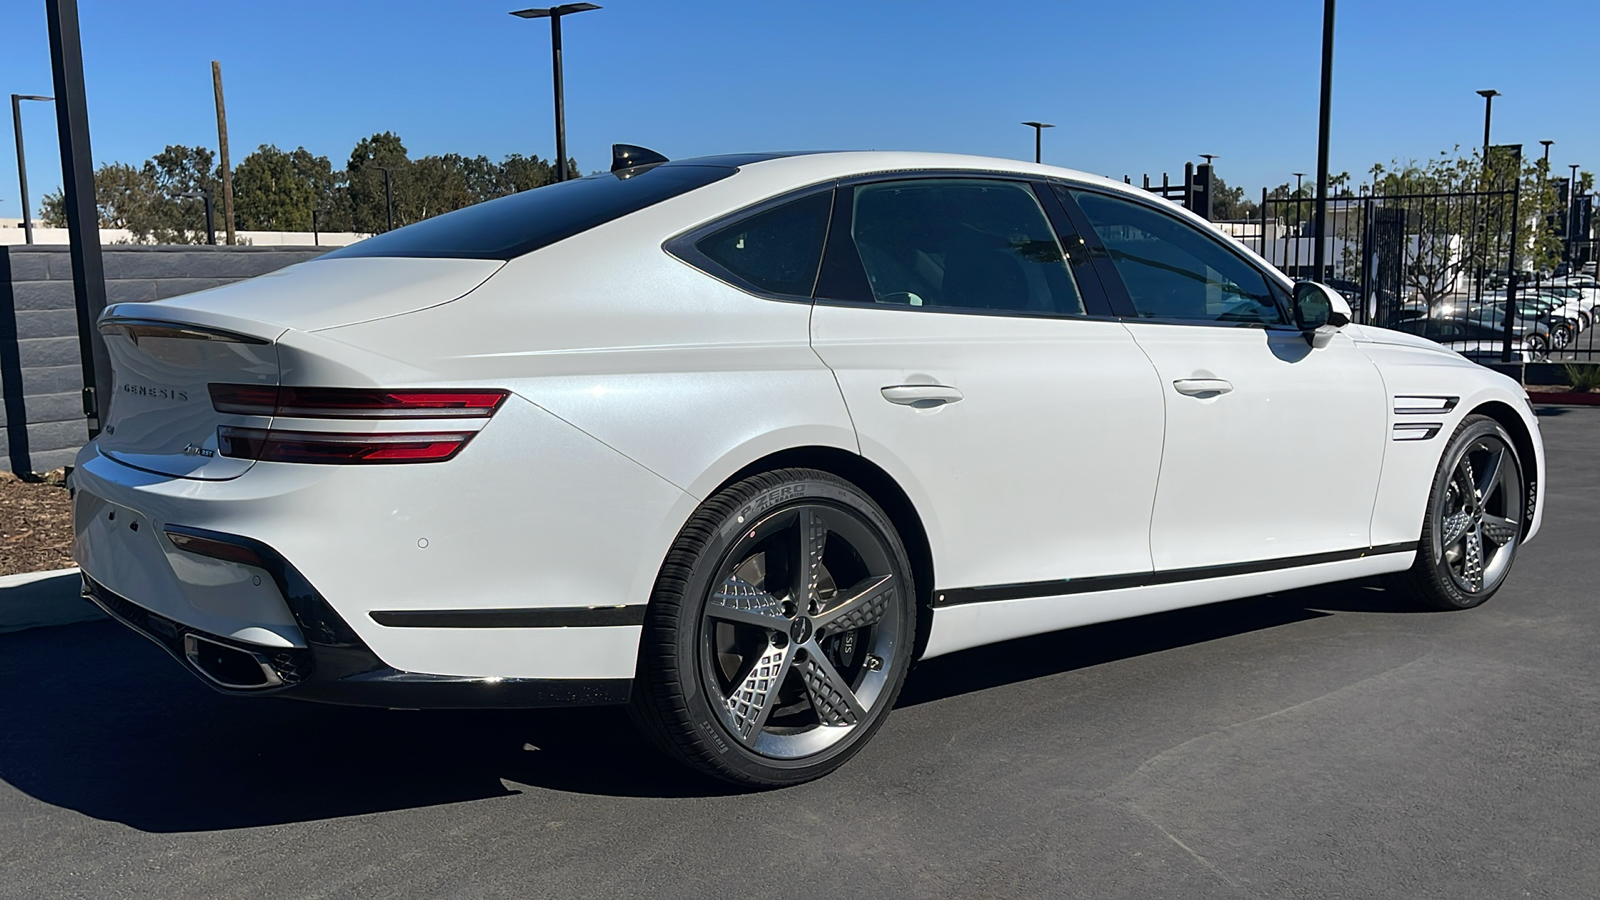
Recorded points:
1195,387
920,394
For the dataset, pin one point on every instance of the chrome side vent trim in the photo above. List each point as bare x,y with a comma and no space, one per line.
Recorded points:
1416,431
1421,405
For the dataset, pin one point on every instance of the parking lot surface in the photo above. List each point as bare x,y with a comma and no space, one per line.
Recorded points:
1316,744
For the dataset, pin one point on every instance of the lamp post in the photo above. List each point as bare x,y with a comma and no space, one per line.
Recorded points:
211,222
554,14
1038,138
1572,213
1488,111
388,194
22,164
1547,154
1320,221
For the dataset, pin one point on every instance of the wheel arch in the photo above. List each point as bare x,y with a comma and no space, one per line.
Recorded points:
1527,456
886,492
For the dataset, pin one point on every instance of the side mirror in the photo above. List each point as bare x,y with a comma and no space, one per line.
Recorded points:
1317,306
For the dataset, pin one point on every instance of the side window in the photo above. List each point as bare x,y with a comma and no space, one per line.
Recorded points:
960,243
1174,270
776,250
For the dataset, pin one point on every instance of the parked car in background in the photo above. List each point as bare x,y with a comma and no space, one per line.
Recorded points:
1480,335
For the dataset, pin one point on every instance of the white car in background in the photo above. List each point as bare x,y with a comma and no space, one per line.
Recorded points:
735,440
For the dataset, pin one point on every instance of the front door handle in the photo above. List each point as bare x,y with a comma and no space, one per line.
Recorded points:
922,395
1195,387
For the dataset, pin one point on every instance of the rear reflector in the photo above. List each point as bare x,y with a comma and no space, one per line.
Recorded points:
214,549
271,445
354,403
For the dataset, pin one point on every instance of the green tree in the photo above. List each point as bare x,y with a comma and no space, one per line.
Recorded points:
274,190
364,182
151,201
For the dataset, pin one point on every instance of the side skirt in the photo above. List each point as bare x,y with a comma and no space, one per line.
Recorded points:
1012,611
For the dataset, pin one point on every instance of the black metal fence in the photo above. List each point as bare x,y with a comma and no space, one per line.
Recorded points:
1452,267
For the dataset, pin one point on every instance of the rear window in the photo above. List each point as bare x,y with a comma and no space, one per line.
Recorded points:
508,227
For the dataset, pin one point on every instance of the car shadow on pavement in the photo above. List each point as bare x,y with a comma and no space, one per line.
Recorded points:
95,719
1028,658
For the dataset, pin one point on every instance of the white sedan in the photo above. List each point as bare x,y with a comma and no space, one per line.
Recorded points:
735,440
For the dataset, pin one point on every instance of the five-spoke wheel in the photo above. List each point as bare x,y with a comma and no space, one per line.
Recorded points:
780,632
1474,521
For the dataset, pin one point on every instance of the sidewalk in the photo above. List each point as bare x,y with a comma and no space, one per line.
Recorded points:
39,599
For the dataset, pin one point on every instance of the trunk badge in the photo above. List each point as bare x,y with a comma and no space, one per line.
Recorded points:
192,450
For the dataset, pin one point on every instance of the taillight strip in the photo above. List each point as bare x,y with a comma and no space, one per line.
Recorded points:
338,448
355,403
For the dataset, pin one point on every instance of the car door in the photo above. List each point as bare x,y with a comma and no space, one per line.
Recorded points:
1273,447
983,371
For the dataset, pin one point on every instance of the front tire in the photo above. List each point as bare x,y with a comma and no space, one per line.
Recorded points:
779,632
1474,523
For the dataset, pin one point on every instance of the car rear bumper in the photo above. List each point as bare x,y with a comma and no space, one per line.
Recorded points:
337,667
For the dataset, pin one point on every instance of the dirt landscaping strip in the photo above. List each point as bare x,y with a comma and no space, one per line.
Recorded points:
35,525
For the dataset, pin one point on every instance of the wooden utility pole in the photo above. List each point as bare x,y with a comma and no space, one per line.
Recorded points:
222,150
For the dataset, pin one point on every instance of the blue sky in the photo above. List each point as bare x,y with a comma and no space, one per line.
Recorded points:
1136,86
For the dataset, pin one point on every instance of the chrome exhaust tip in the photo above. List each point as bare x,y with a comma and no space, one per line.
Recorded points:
229,666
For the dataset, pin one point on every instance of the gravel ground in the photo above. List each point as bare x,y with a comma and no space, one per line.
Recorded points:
35,525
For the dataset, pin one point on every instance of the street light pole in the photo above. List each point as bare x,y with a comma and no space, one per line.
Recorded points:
22,163
1572,210
554,14
1320,226
1547,155
211,221
1488,110
388,194
1038,139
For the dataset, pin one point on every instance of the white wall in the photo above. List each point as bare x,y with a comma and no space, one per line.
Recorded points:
11,232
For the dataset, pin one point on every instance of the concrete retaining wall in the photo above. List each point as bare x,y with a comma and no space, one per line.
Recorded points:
41,379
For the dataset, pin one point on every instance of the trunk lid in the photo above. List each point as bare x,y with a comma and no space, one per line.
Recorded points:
160,417
165,354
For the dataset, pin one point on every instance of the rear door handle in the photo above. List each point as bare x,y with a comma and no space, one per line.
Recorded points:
1194,387
920,394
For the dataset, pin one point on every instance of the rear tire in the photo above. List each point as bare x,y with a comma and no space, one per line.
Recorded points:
779,632
1474,521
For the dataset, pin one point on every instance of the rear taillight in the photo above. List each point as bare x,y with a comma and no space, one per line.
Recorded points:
338,448
354,403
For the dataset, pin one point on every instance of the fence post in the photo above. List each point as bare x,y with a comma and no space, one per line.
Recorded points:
1511,266
1264,225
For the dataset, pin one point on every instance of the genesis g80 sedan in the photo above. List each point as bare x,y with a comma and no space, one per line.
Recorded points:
735,440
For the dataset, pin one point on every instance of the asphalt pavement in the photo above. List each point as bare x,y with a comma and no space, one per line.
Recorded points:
1322,743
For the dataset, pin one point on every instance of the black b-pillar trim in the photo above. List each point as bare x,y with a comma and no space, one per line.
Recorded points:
1031,589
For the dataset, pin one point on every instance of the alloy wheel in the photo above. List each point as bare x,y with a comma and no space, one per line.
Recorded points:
1479,521
800,630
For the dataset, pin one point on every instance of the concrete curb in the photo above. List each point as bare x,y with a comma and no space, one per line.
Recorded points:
1564,398
42,599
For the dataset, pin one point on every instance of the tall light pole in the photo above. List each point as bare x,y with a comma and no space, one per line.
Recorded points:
554,14
1038,138
1572,214
1320,226
388,193
22,163
1297,177
211,218
1488,111
1547,154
